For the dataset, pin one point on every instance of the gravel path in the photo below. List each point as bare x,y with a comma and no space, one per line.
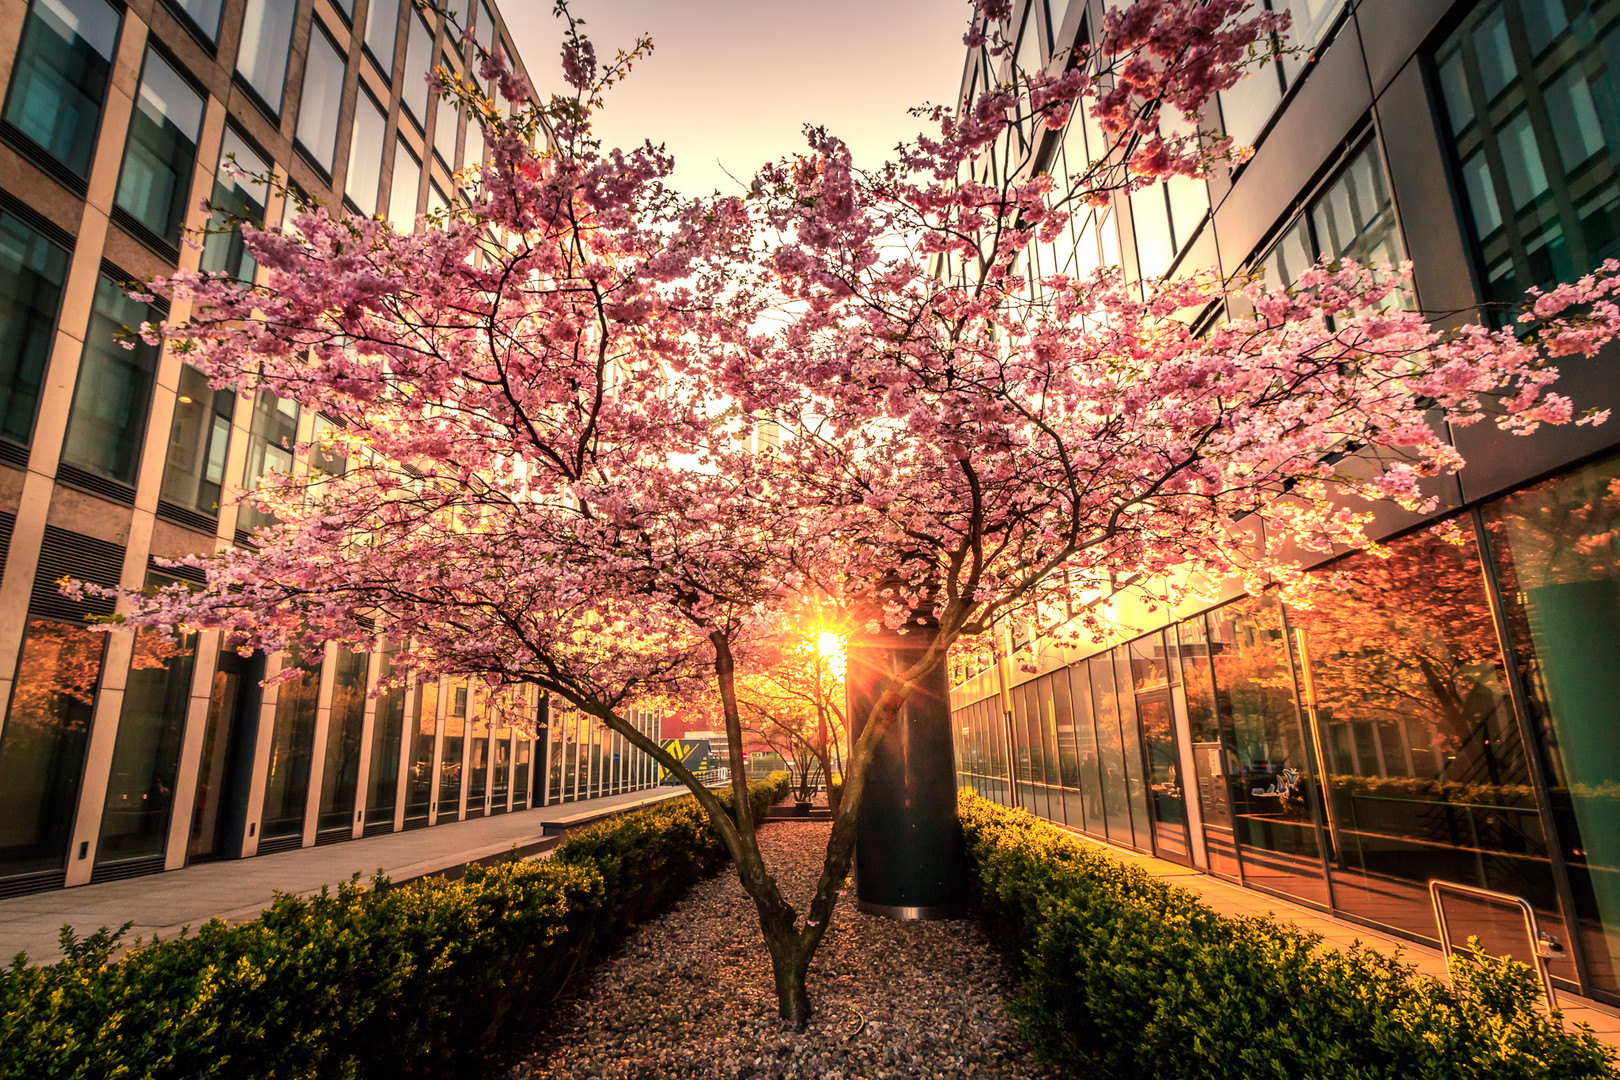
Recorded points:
689,995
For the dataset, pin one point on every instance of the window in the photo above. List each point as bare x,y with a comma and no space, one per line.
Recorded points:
436,203
261,59
455,732
1532,97
292,745
43,744
365,153
1353,218
402,191
270,442
204,15
60,77
326,454
473,152
460,17
155,184
387,740
237,198
445,118
146,751
1555,549
418,59
345,8
107,422
382,27
419,781
322,99
484,29
341,776
199,440
32,270
1248,106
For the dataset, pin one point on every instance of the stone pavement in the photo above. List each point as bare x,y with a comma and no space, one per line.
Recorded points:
239,889
1237,901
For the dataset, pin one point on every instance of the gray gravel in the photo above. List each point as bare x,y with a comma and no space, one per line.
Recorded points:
689,995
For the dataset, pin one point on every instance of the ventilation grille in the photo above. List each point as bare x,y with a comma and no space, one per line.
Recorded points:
412,823
95,484
24,884
378,828
151,241
473,812
187,519
8,522
127,868
280,843
13,454
244,539
83,558
333,836
42,158
498,808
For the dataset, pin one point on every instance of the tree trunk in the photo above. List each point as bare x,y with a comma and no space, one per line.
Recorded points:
789,966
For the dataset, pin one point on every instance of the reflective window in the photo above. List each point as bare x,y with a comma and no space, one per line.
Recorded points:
365,153
419,780
43,743
418,61
436,202
1557,551
1248,106
1353,218
340,776
204,14
155,183
445,119
455,734
271,437
59,78
1531,91
32,271
473,152
345,8
404,187
1406,703
322,99
107,422
237,198
520,772
382,27
292,746
261,59
146,752
199,440
387,740
1273,789
1156,679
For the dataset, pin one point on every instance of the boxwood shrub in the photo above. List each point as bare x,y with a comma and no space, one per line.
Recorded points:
1127,976
361,980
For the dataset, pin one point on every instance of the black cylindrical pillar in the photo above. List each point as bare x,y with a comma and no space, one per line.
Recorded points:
908,841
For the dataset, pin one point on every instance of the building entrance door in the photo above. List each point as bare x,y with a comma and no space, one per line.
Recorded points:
225,772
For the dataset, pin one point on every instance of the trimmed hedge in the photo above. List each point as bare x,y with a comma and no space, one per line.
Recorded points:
1126,976
378,981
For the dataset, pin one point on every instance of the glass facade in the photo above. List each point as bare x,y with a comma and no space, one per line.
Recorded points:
261,58
1531,94
322,100
154,186
146,753
1352,218
340,775
382,28
406,185
238,198
43,744
418,61
199,440
59,78
271,437
32,272
107,423
292,750
365,153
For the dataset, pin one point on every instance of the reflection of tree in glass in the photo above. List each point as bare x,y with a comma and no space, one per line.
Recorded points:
61,668
1410,639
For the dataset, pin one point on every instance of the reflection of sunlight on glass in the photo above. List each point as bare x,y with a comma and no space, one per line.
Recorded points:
830,647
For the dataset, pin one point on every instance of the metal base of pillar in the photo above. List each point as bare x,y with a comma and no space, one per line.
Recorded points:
911,914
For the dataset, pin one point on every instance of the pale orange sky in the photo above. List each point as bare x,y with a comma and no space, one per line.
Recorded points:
731,82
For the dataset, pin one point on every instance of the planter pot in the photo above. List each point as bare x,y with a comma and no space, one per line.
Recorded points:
801,809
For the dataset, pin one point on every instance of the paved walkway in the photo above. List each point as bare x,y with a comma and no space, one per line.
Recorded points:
1236,901
239,889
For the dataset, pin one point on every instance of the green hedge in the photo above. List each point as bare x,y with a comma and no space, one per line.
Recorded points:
379,981
1126,976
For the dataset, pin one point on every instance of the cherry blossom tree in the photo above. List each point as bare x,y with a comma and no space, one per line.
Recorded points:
548,391
793,702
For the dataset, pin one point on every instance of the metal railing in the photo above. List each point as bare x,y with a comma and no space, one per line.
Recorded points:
1543,946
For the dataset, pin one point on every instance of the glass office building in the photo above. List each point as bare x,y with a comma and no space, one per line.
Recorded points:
1446,712
121,754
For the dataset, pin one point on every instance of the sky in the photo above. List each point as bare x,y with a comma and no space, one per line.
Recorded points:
730,84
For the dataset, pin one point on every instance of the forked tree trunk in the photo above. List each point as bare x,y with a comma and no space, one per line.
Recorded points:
789,966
